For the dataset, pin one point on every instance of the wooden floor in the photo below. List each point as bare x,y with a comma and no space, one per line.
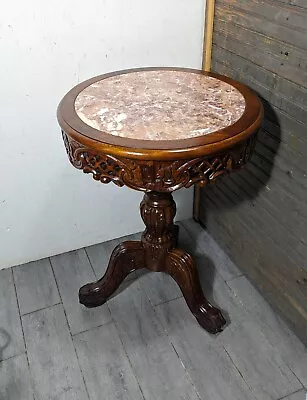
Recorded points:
144,343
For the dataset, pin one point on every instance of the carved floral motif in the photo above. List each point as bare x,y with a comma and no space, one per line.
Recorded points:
152,175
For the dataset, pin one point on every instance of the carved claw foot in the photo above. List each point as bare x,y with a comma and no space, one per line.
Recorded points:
90,295
210,318
126,257
181,267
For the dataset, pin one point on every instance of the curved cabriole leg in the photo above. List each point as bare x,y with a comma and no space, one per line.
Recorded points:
126,258
181,267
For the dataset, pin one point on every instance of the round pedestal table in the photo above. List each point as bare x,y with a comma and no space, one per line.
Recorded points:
158,130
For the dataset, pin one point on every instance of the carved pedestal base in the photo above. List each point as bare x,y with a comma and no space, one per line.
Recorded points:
157,252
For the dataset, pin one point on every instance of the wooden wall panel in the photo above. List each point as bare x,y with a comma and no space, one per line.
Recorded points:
259,215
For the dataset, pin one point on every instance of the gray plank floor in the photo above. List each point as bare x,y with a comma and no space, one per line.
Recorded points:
144,343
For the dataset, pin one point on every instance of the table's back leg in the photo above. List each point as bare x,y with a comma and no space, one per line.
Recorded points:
175,235
126,257
180,265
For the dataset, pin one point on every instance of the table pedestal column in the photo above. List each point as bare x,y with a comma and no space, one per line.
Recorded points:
157,252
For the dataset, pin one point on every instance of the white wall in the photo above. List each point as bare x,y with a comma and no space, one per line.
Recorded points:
47,206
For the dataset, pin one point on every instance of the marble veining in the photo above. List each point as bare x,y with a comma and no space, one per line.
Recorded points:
159,105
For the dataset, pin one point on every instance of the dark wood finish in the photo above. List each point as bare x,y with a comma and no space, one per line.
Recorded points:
126,258
181,267
157,175
156,251
158,168
259,215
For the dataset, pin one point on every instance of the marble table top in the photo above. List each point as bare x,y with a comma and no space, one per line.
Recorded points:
159,105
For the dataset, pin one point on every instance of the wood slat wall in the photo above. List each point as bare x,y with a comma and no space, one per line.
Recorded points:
259,215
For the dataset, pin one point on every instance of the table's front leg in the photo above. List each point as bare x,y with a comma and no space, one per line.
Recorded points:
126,257
159,242
180,265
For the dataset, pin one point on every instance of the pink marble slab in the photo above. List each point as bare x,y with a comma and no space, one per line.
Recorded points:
159,105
